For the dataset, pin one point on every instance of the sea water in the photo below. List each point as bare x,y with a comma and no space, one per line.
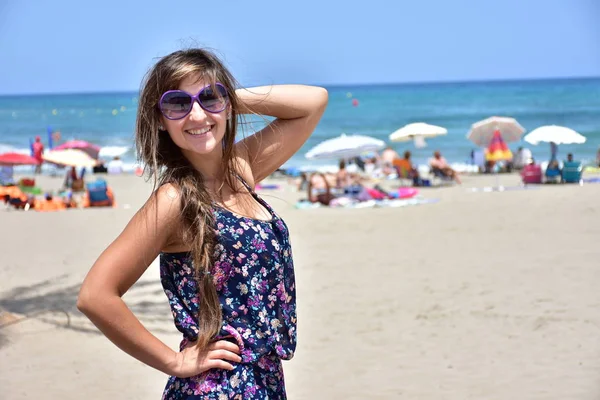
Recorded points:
108,119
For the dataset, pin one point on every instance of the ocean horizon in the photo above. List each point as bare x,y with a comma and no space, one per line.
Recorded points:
108,118
341,85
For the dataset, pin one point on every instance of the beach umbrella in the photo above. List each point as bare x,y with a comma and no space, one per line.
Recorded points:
344,147
554,134
498,150
11,159
69,158
91,149
417,130
482,132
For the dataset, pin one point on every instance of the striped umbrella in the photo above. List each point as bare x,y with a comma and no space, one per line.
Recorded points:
69,158
498,150
482,132
89,148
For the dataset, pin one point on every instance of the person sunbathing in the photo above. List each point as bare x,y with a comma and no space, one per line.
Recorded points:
319,189
439,166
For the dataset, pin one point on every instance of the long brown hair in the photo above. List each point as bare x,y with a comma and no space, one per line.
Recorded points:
165,163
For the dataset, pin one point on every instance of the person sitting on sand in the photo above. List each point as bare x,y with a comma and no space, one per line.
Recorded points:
115,166
319,189
406,169
73,181
342,177
440,166
553,171
100,168
370,165
388,155
302,182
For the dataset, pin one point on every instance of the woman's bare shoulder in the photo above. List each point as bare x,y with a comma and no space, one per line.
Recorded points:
165,201
162,212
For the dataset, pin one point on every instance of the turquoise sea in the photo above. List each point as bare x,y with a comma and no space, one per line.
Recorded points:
107,119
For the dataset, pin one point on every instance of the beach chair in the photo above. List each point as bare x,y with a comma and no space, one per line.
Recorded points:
439,178
531,174
98,194
402,168
552,174
571,172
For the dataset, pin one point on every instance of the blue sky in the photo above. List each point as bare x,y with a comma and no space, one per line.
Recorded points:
87,46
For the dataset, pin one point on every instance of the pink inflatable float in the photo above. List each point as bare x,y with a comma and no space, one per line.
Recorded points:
407,193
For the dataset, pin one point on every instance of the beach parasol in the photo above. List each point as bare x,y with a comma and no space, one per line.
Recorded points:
417,131
498,150
482,132
344,147
554,134
69,158
91,149
11,159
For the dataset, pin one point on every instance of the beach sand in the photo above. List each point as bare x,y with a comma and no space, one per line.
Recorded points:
478,296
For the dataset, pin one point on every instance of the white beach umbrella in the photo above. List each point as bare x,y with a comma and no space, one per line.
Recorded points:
69,158
554,134
417,129
344,146
482,132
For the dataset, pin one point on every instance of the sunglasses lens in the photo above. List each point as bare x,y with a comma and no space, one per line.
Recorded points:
176,104
213,99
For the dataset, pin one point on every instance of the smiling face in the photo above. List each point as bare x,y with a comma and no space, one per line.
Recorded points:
199,132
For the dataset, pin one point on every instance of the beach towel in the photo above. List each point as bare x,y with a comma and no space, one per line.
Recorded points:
349,203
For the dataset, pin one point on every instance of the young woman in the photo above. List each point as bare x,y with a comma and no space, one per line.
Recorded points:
225,257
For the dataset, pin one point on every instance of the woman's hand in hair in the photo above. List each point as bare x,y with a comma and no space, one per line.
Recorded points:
193,360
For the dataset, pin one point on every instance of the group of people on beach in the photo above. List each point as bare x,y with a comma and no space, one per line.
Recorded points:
359,182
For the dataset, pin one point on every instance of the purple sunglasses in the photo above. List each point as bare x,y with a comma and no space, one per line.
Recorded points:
176,104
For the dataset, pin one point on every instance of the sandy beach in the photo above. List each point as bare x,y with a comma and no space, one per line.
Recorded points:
478,296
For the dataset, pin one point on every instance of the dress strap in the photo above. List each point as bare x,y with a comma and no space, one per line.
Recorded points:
255,195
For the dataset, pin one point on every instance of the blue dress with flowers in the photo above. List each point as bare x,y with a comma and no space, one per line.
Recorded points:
253,273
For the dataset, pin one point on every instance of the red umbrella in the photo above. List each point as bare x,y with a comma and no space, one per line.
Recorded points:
91,149
17,159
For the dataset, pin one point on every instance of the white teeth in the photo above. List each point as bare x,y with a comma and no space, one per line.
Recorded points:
199,131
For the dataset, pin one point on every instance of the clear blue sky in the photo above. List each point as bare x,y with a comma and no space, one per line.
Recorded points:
82,46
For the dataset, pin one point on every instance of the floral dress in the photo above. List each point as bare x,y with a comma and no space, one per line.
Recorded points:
254,277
